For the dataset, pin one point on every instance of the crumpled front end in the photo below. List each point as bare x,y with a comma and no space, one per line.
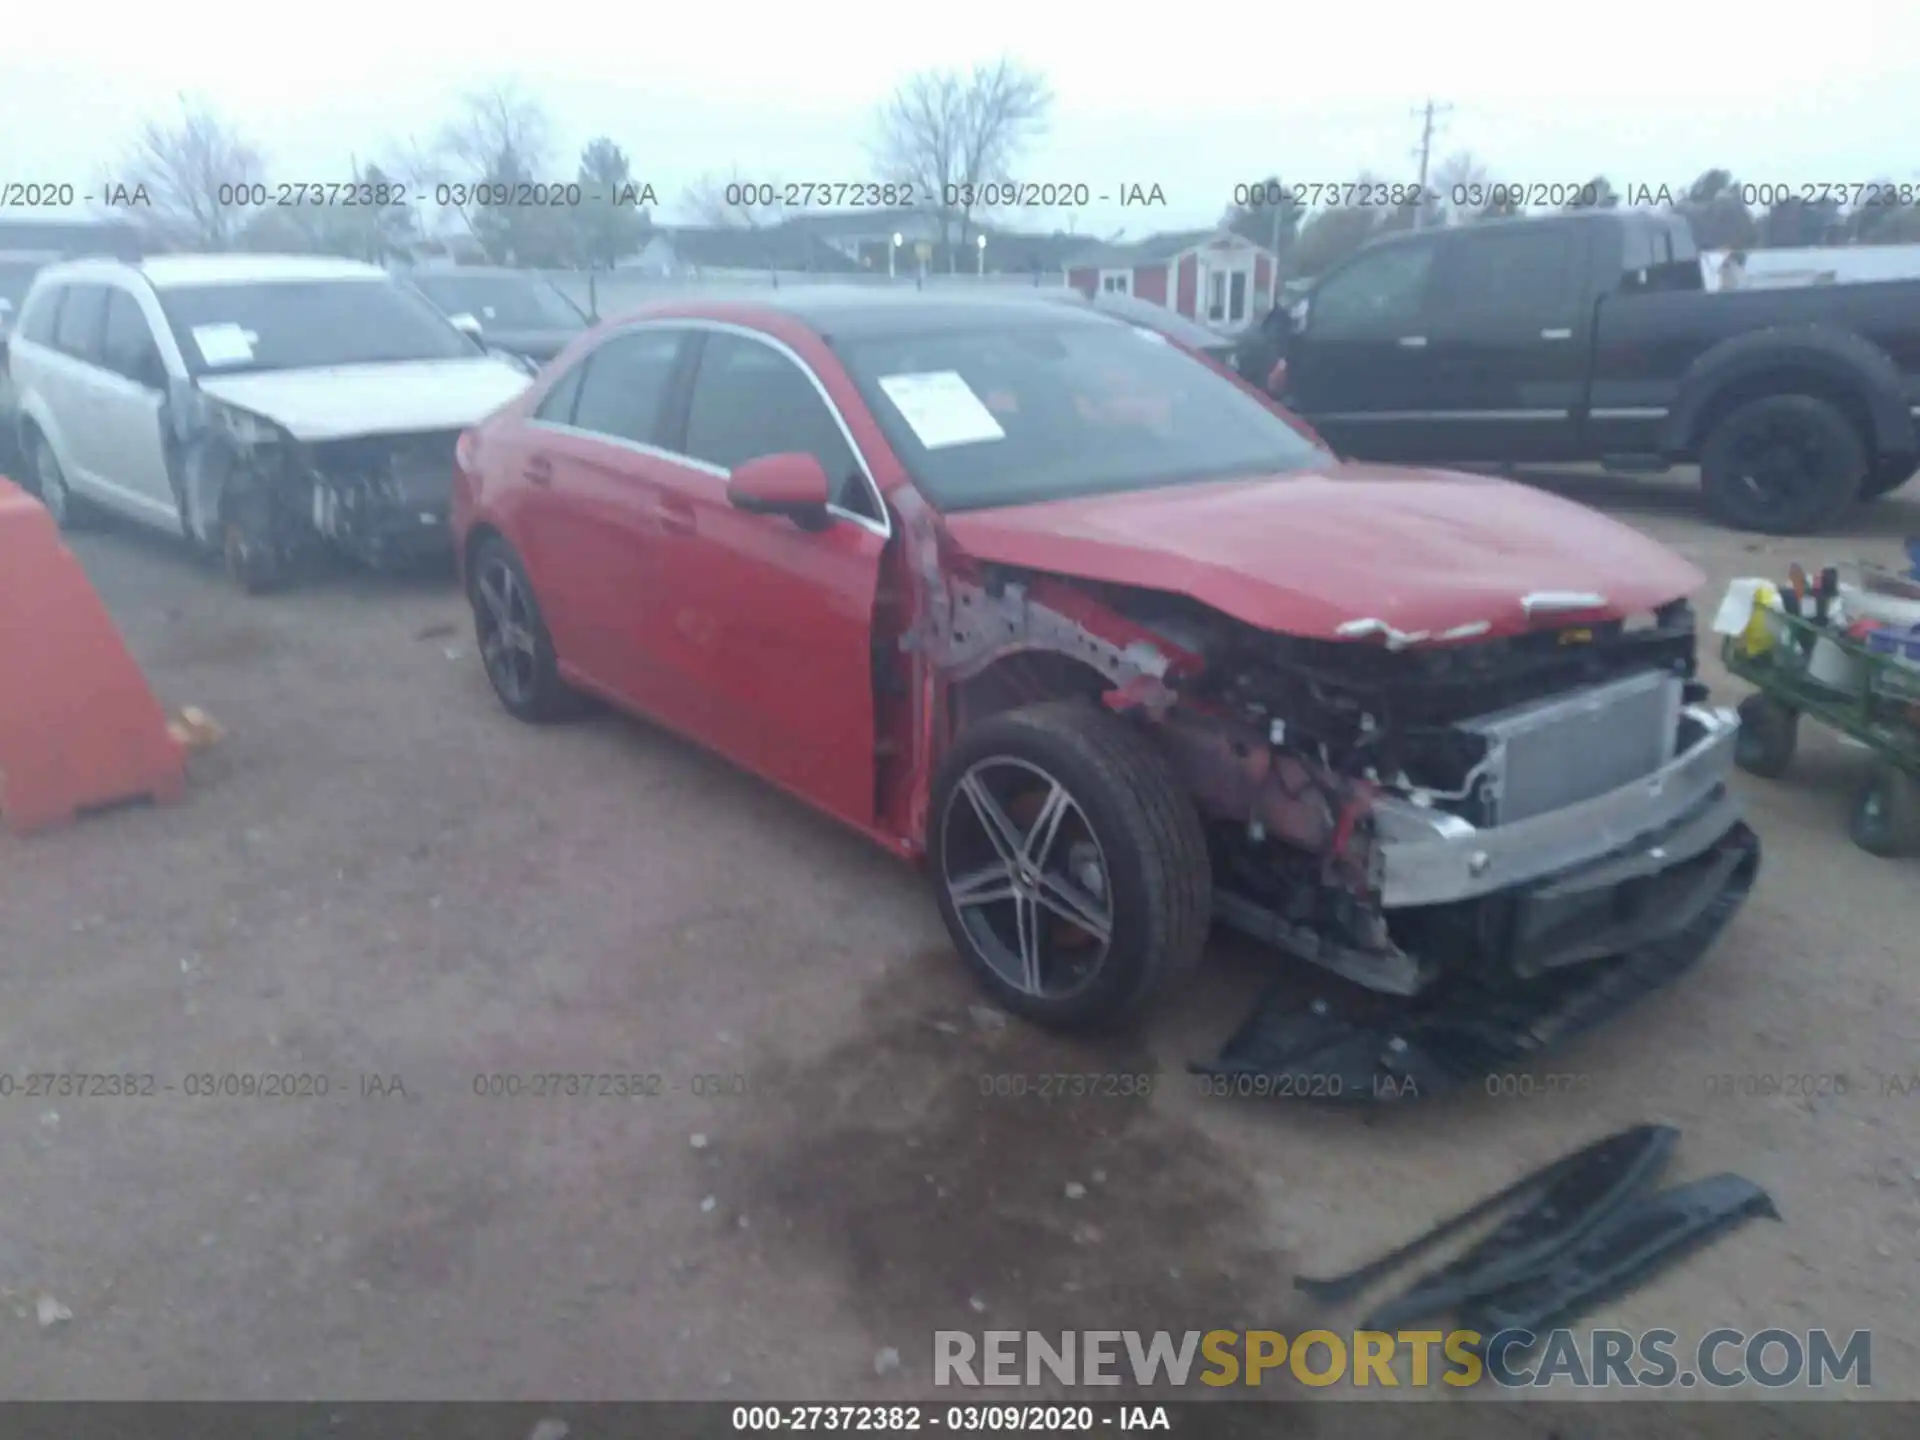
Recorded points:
1494,841
244,482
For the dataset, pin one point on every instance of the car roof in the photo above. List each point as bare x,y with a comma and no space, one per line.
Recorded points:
853,311
165,272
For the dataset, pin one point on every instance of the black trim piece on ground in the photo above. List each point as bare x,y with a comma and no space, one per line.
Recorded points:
1637,1152
1635,1244
1591,1188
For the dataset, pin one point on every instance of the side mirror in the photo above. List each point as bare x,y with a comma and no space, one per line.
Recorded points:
794,485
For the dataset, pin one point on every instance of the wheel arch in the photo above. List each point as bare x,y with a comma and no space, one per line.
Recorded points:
1845,370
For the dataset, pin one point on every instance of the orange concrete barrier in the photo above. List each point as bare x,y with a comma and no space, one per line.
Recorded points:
79,727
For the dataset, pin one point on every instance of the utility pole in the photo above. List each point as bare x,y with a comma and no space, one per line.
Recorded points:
1426,115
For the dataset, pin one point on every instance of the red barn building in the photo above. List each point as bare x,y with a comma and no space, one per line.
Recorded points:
1215,277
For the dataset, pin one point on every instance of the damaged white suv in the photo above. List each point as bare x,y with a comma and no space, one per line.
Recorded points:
261,405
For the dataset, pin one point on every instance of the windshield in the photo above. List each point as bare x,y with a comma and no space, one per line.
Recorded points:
1037,412
307,324
503,302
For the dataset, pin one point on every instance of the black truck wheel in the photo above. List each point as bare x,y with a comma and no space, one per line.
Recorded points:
1782,465
1769,733
1886,475
1886,813
1070,866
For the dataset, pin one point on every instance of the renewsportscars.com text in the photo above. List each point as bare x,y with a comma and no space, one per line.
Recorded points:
1593,1359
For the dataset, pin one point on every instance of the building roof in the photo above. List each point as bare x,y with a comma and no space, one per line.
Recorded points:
166,271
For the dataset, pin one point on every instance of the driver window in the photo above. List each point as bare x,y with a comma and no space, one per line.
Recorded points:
1379,296
749,400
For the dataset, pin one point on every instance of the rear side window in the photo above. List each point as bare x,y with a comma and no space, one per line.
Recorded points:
624,385
82,318
43,310
1522,273
128,347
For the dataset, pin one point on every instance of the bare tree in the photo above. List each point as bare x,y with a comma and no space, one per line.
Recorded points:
189,169
499,139
946,133
732,202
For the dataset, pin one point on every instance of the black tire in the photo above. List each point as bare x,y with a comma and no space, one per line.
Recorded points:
68,510
1886,475
250,546
1782,465
1886,813
525,677
1769,734
1149,849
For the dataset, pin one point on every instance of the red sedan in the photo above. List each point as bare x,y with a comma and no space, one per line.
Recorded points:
1043,600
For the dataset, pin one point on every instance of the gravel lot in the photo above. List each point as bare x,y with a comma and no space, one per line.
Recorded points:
379,874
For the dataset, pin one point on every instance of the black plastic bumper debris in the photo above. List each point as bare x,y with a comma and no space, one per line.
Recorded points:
1632,1245
1593,1228
1466,1031
1570,1197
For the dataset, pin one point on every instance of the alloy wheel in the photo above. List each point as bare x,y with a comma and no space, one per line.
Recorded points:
1027,877
504,619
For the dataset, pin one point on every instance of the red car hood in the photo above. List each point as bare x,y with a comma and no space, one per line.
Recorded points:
1320,554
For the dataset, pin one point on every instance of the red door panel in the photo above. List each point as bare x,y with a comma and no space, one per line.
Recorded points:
592,537
773,626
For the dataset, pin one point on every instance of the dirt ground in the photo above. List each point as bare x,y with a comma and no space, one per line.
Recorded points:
377,873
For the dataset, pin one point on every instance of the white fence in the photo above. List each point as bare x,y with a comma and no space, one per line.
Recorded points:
605,292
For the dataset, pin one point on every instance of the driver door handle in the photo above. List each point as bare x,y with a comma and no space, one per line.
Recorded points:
1413,342
539,470
1561,334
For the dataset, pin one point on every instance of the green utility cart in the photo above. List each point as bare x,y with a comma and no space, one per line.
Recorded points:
1805,667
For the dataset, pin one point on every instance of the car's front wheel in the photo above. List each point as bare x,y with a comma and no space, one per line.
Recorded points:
1070,866
515,646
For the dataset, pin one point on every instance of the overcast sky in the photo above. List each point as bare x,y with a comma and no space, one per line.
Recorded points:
1191,98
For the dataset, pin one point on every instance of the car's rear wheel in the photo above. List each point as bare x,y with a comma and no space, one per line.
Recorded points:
515,646
1070,866
68,510
1782,465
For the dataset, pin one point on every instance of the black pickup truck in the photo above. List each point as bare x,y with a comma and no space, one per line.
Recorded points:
1590,337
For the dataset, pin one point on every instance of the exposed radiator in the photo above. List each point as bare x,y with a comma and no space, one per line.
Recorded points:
1558,752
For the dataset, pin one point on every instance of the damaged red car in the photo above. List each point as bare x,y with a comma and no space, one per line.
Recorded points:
1086,626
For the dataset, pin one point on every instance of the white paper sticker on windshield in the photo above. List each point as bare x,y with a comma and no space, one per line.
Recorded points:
941,408
224,344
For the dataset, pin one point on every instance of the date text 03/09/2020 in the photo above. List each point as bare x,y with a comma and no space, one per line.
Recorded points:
957,1419
904,195
198,1085
458,195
